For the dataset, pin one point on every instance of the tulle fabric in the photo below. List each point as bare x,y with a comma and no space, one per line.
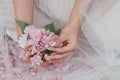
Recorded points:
97,56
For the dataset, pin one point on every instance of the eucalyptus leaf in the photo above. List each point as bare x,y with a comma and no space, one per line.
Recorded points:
57,32
51,28
48,52
22,24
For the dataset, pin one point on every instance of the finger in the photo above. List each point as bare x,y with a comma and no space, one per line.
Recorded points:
64,49
57,57
52,62
49,61
58,41
44,64
58,61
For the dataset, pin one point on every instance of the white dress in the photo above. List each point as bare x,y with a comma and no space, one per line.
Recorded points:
97,56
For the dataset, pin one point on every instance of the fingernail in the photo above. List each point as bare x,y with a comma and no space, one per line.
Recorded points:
61,45
53,53
53,44
50,63
49,48
46,57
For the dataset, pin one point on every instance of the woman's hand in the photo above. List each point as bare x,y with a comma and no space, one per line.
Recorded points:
69,36
69,39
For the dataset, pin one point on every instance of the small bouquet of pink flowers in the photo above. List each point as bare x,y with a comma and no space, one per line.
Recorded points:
35,42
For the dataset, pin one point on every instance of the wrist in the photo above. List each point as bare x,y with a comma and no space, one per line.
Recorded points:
73,26
19,31
74,22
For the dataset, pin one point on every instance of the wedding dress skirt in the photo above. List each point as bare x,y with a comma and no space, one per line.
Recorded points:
97,56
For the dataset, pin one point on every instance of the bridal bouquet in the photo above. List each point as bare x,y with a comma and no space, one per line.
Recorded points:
34,42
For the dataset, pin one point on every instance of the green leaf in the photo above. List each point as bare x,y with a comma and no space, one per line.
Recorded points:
57,32
51,28
48,52
22,24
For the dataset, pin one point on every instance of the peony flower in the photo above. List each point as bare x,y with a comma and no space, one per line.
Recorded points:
35,41
36,60
48,38
30,29
24,54
23,41
36,35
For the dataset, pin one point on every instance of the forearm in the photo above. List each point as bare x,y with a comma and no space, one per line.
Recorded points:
74,19
24,12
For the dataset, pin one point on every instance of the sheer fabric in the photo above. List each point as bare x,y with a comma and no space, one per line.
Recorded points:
97,56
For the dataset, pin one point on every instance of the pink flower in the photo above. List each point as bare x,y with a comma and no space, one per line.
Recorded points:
31,36
48,38
34,50
36,35
36,60
33,32
24,54
23,41
39,40
30,29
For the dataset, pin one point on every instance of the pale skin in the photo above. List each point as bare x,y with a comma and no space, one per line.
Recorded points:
24,12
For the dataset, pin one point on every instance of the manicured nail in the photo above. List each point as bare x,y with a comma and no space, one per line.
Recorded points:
53,44
61,45
46,57
50,63
49,48
53,53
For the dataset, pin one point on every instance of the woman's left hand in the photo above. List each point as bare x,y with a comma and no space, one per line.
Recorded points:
69,39
69,36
